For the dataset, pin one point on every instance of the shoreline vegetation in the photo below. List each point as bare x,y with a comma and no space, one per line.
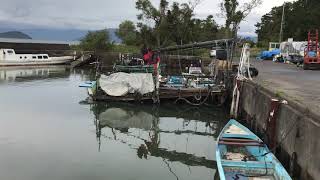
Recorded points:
175,24
168,24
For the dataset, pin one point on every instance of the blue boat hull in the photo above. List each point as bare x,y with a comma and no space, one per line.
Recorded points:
241,155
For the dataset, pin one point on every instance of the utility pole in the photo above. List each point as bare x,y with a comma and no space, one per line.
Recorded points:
282,22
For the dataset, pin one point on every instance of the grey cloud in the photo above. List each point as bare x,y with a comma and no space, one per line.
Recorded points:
81,14
93,14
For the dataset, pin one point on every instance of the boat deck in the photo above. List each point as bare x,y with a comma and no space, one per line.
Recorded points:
168,93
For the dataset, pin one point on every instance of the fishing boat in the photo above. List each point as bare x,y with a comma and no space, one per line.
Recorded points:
174,92
130,63
241,155
8,57
136,68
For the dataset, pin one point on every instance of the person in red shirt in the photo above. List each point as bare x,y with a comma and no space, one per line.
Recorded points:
147,56
150,57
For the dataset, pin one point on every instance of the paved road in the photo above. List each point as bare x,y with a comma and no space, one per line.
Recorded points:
293,82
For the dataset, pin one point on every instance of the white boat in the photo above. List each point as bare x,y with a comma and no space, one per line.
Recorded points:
8,57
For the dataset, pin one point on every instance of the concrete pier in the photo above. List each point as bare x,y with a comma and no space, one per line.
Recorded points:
297,120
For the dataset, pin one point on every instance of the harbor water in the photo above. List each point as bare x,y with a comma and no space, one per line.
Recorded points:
49,131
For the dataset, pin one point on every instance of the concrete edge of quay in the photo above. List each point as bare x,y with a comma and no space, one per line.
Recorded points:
295,132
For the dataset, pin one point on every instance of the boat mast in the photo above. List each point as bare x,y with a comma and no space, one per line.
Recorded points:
282,22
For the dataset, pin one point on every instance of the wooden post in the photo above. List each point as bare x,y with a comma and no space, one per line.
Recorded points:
272,123
157,82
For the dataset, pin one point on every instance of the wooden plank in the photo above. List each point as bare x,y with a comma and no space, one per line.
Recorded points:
239,140
165,93
240,143
248,164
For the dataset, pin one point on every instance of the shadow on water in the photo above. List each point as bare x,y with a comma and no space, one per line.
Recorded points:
153,126
22,74
34,73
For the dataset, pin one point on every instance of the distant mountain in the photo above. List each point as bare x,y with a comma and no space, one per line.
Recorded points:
250,38
59,34
14,34
55,34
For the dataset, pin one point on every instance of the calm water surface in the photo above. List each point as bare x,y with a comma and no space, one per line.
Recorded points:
48,131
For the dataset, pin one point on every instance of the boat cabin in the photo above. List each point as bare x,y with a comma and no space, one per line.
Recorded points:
10,55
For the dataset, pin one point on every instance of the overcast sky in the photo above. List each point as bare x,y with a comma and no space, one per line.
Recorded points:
98,14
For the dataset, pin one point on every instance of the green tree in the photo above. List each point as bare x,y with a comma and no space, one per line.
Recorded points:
171,24
204,30
174,24
300,17
95,40
234,13
269,28
127,32
145,35
180,22
149,12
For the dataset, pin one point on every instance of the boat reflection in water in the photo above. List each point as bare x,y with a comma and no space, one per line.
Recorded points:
30,73
173,133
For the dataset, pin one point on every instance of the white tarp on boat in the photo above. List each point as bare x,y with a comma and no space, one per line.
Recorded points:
120,84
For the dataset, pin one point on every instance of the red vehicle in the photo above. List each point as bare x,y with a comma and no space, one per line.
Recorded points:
311,52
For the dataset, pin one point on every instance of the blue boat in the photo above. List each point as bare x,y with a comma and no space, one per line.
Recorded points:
91,87
241,155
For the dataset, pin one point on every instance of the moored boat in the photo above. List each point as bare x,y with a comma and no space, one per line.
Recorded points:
242,155
8,57
130,63
137,68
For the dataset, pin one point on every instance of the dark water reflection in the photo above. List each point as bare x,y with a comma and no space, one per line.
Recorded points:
45,133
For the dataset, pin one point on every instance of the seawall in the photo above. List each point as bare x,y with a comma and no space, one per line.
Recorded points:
296,129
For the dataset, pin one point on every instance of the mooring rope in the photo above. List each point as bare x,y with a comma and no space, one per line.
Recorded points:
244,67
244,64
195,104
198,98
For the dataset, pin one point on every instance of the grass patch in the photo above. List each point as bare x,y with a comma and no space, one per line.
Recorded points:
121,48
265,83
279,93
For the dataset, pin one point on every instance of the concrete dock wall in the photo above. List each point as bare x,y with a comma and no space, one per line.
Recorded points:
297,130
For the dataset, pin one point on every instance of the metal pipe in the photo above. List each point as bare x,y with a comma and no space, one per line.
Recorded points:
206,44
